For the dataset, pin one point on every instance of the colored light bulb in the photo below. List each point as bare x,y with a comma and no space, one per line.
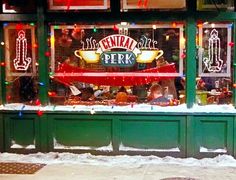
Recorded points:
94,29
39,113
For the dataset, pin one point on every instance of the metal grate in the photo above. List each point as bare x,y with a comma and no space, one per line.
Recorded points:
20,168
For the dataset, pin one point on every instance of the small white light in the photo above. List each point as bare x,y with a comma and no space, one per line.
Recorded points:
205,23
167,37
154,26
213,25
92,111
2,43
123,23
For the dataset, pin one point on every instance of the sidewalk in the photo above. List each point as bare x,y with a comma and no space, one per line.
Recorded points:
142,172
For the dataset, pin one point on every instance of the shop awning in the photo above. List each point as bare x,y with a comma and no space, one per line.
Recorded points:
67,74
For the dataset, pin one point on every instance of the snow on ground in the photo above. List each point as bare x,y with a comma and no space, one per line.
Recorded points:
122,160
126,148
134,108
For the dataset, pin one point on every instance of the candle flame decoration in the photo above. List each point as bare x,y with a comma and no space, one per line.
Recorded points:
147,43
21,62
213,62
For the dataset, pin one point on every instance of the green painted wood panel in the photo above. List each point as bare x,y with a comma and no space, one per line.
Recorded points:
190,139
234,63
234,136
43,133
190,61
1,133
81,130
154,132
214,133
22,130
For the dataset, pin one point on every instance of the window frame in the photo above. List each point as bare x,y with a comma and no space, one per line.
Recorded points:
229,49
53,7
139,26
7,51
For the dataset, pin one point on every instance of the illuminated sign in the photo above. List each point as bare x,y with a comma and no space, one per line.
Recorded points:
118,59
21,62
119,50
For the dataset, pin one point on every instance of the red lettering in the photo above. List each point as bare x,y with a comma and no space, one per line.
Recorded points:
122,38
104,44
127,43
130,46
117,40
113,41
108,43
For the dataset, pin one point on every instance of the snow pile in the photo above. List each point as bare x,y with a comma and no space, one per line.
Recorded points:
130,108
126,148
107,148
18,146
124,160
203,149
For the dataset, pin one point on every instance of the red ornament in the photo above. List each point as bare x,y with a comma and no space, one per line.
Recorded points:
37,102
35,45
115,28
3,64
231,44
47,54
234,85
174,24
8,97
51,94
39,113
19,27
183,56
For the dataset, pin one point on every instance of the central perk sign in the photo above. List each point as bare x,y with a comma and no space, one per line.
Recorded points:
119,50
119,58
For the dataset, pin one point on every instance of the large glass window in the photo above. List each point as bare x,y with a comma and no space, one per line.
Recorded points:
18,6
117,64
152,4
20,63
214,82
79,5
215,5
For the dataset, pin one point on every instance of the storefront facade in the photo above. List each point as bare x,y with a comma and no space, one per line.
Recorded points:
118,77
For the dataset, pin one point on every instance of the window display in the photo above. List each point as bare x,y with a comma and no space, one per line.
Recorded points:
152,4
18,6
117,64
215,5
79,4
20,63
214,63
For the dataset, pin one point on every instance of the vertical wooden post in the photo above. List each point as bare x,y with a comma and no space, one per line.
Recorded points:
115,134
234,64
191,62
42,48
2,145
2,69
43,72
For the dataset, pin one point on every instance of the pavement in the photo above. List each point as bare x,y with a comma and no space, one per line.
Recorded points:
142,172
